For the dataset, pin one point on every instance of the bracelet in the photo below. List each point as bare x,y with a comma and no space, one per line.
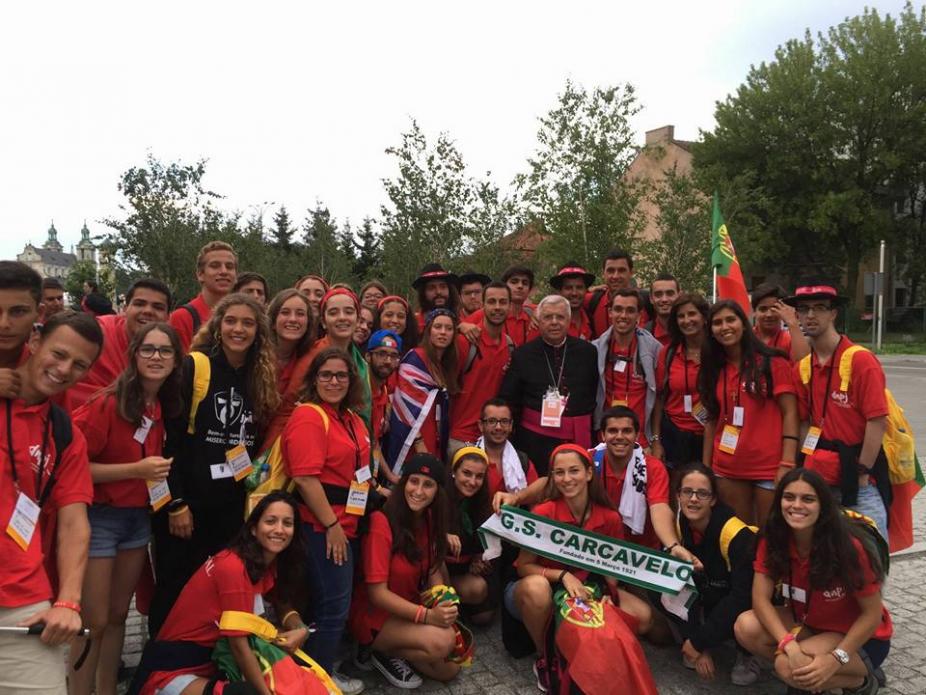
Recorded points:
70,605
786,464
419,613
790,436
332,524
668,549
785,641
561,575
283,620
177,512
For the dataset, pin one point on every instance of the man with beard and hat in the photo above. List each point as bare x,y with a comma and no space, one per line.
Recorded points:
437,289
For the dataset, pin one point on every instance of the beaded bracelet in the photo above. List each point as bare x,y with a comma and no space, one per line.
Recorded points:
70,605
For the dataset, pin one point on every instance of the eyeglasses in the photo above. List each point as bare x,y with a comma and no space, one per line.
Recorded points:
493,421
165,352
692,492
337,376
804,309
389,356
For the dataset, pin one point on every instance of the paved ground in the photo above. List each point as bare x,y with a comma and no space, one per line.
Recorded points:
494,672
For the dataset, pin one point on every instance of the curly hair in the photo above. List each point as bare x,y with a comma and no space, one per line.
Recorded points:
127,388
273,311
834,558
261,361
755,359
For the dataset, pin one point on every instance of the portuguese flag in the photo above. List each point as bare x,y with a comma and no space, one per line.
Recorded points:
728,274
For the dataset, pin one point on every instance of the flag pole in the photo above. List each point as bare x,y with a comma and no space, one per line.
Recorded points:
714,287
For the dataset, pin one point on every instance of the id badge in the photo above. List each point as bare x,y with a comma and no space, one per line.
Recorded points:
729,438
158,494
699,413
795,593
688,403
357,498
141,434
22,523
551,410
620,365
239,462
811,441
739,414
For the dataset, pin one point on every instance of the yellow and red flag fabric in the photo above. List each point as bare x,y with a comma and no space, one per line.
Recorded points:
729,275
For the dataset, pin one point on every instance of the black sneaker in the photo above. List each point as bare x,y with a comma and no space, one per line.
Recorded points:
362,657
395,670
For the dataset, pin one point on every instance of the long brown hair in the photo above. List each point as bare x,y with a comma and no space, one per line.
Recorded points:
355,392
273,312
445,369
127,388
404,524
261,362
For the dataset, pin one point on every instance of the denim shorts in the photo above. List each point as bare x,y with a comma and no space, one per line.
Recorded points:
510,604
117,528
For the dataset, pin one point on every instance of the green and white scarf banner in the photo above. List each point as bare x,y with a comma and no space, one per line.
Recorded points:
594,552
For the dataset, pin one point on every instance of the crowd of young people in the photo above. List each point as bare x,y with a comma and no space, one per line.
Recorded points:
648,416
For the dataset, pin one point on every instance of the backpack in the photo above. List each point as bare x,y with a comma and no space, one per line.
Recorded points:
593,303
63,434
202,374
269,472
474,352
864,529
898,443
194,315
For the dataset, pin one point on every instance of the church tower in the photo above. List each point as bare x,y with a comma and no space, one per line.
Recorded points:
52,243
86,251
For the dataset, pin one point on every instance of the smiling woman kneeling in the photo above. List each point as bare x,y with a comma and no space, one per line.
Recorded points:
403,555
834,630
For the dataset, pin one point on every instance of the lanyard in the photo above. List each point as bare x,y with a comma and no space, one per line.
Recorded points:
829,383
349,426
557,380
10,450
736,402
685,367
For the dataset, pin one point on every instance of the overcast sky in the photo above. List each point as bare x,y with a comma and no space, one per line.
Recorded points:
295,101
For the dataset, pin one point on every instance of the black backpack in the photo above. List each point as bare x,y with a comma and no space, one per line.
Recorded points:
194,315
63,434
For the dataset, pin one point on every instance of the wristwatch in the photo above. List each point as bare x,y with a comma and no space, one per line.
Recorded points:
841,655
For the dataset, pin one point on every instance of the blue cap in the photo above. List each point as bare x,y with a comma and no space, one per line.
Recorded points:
384,338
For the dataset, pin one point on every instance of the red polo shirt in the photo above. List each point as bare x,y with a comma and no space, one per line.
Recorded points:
657,490
381,564
846,411
626,385
113,359
781,340
23,579
758,450
518,326
683,379
659,333
601,520
495,478
182,322
110,439
831,609
333,456
480,383
600,319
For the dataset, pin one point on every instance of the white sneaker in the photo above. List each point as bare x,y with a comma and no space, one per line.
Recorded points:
346,684
746,669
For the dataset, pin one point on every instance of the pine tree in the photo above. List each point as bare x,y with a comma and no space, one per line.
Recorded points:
368,258
282,230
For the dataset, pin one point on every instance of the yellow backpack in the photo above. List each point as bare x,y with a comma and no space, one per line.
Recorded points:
270,470
898,443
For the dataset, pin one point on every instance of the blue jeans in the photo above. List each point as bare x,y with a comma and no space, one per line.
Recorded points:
329,587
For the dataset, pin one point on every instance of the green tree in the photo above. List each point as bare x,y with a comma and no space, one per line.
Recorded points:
491,218
166,217
282,230
823,131
427,217
84,271
683,247
368,250
324,248
575,186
